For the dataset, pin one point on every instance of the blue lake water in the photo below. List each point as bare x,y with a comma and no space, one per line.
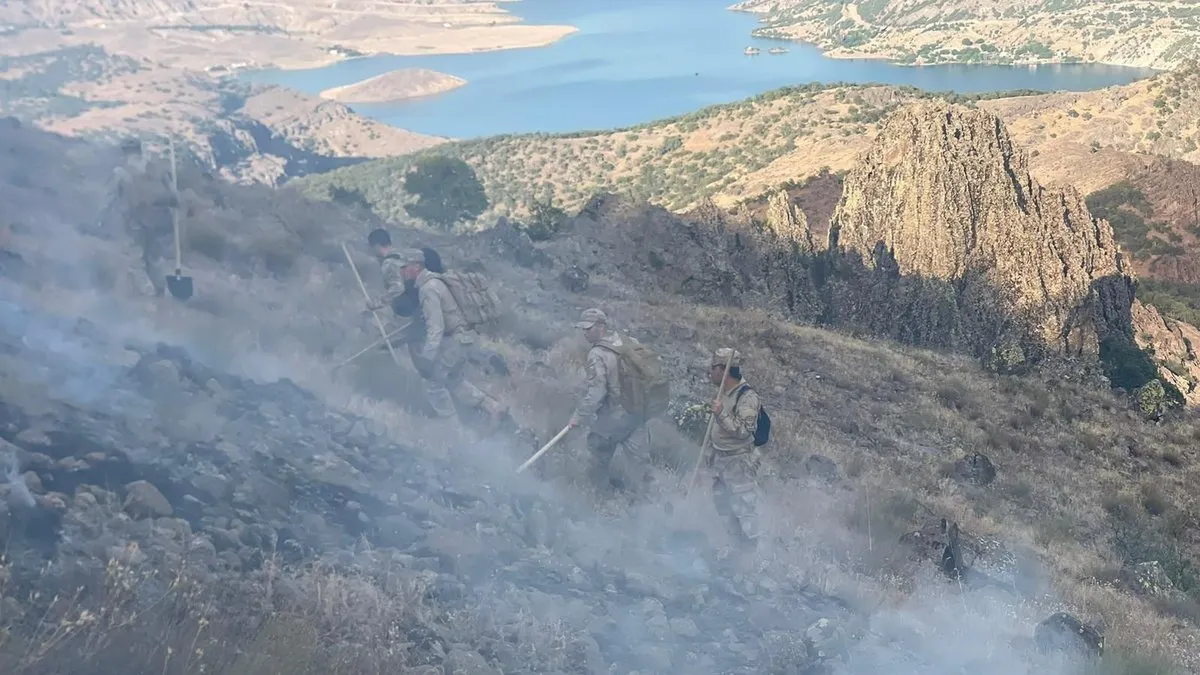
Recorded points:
635,61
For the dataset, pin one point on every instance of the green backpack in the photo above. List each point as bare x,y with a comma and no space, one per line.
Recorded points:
645,389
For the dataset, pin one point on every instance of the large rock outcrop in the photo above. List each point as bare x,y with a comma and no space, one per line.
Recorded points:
944,193
1173,344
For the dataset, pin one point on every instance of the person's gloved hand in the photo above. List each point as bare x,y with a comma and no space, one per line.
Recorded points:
374,305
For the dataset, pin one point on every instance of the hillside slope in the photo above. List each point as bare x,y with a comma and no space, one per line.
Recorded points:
327,519
726,152
743,150
198,34
1141,136
1119,32
256,133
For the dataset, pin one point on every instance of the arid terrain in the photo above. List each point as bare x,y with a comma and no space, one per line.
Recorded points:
209,34
395,86
1144,134
972,320
248,132
214,498
149,68
1118,32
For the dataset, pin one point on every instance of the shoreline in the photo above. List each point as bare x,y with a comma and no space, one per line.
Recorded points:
546,38
543,35
874,56
838,52
402,84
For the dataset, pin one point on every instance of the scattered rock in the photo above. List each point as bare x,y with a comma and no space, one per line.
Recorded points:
510,242
1152,580
33,436
143,500
33,482
975,469
826,640
463,661
685,628
786,652
1062,632
821,468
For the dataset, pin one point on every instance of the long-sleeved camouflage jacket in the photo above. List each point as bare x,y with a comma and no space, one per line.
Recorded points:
441,313
393,280
733,430
603,382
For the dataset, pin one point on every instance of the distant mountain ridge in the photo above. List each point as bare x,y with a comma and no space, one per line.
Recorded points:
1119,32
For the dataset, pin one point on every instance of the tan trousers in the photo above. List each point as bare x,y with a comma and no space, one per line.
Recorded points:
445,382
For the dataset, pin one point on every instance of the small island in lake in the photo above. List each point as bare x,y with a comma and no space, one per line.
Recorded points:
396,85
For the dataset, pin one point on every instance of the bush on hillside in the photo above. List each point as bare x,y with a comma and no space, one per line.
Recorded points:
447,191
545,221
1131,368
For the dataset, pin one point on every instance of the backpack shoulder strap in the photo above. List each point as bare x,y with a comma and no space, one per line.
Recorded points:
609,348
741,390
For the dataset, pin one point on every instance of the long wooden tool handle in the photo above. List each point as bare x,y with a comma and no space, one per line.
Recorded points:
373,345
545,448
363,287
175,210
711,419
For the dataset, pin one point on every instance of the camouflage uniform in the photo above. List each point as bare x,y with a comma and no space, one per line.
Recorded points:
392,267
143,198
448,341
614,435
734,459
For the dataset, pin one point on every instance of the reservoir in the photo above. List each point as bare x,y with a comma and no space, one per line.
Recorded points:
636,61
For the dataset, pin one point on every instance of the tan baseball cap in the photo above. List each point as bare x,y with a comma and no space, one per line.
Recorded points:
722,355
591,317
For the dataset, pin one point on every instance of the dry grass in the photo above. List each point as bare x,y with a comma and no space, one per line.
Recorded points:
737,152
1076,467
727,152
952,31
893,417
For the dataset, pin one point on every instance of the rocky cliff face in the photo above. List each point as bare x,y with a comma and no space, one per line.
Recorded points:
1173,344
945,194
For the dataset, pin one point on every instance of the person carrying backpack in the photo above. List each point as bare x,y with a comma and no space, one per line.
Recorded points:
738,429
625,388
448,336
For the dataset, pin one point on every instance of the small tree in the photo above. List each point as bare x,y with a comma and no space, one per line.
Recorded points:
447,191
546,220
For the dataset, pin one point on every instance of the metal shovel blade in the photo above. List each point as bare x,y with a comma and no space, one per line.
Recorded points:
179,286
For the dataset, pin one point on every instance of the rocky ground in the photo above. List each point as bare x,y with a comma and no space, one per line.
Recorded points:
192,484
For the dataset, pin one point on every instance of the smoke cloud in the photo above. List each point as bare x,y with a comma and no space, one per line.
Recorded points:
648,586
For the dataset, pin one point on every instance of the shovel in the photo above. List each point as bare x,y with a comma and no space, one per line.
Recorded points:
545,448
382,331
708,432
374,345
179,285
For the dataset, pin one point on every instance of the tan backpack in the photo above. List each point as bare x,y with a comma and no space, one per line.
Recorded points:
645,388
475,298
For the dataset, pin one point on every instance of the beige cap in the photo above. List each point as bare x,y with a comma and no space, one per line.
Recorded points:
722,355
591,317
410,256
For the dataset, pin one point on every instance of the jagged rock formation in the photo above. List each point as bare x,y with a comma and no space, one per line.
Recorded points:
944,193
787,221
1173,344
144,456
